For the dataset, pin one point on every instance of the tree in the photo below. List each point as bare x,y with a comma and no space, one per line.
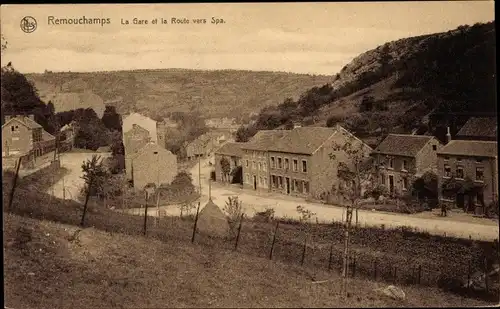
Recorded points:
225,167
94,175
354,171
111,119
244,133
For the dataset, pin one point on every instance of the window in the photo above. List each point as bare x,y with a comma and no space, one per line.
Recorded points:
405,183
254,165
391,163
273,163
261,181
434,147
446,158
447,171
292,185
460,172
287,164
12,128
479,160
459,159
479,173
280,181
304,166
382,179
260,166
295,165
280,164
404,165
273,181
264,166
306,187
246,163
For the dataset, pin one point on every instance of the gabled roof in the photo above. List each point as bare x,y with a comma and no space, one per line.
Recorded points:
24,120
470,148
264,139
402,144
145,122
303,140
231,149
479,126
151,147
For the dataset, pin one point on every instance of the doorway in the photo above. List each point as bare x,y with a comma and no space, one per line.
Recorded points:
255,182
391,183
287,180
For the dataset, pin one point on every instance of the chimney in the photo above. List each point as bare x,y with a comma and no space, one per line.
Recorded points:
448,135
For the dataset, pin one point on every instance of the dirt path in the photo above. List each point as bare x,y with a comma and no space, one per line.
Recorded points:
69,186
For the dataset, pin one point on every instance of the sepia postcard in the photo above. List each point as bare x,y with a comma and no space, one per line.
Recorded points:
223,155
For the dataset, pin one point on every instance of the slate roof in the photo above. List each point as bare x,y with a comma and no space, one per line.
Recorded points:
303,140
264,139
402,144
470,148
231,149
479,126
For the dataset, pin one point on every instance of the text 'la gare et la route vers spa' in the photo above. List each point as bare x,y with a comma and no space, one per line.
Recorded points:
52,20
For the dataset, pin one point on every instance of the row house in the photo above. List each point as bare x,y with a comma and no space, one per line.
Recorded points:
256,159
473,165
399,158
296,162
233,153
23,136
206,144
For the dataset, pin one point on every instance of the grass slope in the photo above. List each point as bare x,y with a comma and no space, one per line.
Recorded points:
51,265
156,92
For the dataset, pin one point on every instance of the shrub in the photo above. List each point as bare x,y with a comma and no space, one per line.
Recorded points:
264,216
234,210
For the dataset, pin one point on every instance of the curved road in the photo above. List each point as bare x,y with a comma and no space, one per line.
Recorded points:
464,226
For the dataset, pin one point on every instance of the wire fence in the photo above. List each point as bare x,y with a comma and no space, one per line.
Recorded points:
397,256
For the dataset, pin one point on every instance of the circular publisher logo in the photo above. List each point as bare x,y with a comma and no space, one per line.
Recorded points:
28,24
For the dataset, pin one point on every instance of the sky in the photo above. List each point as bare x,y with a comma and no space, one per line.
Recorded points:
312,38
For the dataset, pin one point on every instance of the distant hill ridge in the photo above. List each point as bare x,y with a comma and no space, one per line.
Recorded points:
155,93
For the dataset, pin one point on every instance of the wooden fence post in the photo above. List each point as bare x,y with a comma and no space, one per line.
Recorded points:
330,258
239,231
14,184
195,222
304,250
468,276
274,240
354,266
419,273
486,283
82,222
395,278
375,270
146,216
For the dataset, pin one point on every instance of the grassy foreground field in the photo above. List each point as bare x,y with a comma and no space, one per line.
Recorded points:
51,265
